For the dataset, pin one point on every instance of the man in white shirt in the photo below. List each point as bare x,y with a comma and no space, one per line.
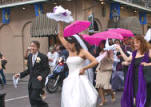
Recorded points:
52,57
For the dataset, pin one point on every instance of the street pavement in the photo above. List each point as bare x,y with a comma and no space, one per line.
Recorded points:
18,97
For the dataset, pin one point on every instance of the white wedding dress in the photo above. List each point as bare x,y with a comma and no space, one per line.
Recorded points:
77,90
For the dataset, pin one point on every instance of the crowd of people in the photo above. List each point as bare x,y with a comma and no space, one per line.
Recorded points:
112,71
93,71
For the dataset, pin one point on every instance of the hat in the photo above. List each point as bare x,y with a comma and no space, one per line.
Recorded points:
108,47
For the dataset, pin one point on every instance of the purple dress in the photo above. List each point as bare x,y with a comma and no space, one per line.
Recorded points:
129,89
136,69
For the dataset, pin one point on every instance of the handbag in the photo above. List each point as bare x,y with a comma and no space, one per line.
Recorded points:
147,73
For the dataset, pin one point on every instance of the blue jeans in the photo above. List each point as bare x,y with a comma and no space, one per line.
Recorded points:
3,76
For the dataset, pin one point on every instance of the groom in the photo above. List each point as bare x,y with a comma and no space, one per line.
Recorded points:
38,69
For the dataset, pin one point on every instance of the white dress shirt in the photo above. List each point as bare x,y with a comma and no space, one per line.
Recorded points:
34,57
53,56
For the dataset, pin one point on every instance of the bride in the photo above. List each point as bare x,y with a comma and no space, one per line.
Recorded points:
77,90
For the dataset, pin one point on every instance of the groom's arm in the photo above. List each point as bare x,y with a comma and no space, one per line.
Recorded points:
23,74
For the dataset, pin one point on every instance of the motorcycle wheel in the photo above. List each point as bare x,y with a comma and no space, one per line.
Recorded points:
51,87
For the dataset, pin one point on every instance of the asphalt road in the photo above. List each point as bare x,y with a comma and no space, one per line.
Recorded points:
18,97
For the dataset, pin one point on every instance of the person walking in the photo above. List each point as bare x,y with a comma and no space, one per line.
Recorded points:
103,76
77,90
136,90
38,69
118,74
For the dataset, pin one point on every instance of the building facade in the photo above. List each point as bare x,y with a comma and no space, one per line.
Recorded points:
15,36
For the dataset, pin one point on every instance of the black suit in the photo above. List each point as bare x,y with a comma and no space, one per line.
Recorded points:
40,68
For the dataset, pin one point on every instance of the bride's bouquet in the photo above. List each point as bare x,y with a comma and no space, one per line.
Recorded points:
60,14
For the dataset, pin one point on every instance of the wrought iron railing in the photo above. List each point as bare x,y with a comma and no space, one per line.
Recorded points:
144,3
5,2
2,2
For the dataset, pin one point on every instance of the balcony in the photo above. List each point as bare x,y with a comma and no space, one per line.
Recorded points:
144,3
12,3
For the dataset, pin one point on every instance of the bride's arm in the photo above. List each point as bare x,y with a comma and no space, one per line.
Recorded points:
88,56
61,37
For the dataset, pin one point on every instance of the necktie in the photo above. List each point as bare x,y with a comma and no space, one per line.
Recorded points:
33,60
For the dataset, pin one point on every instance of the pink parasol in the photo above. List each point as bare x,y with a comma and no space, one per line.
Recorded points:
123,32
85,35
76,27
93,40
108,34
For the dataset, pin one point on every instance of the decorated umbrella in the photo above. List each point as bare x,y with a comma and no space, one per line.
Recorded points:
93,40
108,34
84,35
123,32
76,27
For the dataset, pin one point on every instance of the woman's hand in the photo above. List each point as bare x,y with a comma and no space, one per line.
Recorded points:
118,48
82,71
61,23
145,64
125,63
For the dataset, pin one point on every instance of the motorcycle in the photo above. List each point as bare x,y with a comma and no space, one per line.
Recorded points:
55,79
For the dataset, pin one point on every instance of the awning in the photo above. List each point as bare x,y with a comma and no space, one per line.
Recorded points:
133,5
43,27
131,23
21,3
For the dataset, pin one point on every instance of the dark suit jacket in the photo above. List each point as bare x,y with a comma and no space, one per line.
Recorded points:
40,68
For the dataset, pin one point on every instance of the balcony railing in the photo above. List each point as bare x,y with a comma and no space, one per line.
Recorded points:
2,2
12,3
144,3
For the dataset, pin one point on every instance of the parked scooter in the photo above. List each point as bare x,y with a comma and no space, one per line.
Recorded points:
55,79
